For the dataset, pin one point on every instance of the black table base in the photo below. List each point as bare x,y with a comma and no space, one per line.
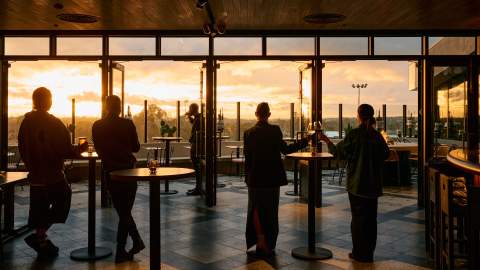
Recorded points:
312,252
91,252
318,253
155,240
98,253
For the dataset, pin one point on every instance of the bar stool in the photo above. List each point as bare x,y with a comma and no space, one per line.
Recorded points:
452,219
433,217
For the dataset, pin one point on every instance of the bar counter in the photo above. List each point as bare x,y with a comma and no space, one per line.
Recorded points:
466,160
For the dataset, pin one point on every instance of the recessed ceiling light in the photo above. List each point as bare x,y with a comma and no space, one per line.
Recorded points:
77,18
324,18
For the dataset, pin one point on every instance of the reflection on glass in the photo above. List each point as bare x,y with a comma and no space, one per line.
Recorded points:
451,45
450,105
291,46
27,46
238,46
79,46
132,45
397,45
184,46
343,45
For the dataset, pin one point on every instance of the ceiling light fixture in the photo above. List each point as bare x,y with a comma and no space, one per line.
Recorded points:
77,18
324,18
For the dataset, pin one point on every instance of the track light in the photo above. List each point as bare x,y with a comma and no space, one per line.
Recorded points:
201,3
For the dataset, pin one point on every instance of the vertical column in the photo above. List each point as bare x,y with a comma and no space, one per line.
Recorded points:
178,118
340,120
384,115
404,121
239,133
292,120
4,115
73,126
105,82
209,127
472,101
145,117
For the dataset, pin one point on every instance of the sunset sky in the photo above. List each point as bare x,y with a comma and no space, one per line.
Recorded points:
250,82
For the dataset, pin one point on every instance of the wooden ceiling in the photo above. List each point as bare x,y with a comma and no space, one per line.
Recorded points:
422,15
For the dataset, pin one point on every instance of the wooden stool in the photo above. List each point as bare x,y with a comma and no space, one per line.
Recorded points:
450,215
433,212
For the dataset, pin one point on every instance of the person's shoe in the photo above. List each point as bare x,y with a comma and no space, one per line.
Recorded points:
47,249
193,192
123,256
138,246
352,257
33,242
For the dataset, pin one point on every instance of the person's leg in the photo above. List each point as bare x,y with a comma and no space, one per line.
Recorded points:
360,238
196,166
371,226
138,245
119,203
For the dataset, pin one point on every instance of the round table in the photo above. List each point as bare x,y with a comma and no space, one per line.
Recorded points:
403,150
167,141
237,149
162,174
91,252
311,252
8,180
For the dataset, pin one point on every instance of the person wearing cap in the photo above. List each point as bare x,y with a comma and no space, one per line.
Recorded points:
44,143
263,147
365,151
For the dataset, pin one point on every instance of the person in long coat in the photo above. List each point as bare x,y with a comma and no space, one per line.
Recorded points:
263,146
365,151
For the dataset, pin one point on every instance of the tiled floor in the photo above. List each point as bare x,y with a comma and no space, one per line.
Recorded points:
197,237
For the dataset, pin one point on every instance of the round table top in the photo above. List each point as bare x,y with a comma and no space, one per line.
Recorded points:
310,155
222,137
87,155
167,138
12,177
143,174
289,139
412,147
234,146
461,159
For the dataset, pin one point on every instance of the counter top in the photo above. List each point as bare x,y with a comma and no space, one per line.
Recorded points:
465,159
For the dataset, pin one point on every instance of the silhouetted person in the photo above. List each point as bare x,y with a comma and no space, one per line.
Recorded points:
365,150
116,140
193,115
263,146
44,142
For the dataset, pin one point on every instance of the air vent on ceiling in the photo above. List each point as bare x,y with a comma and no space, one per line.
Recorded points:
77,18
324,18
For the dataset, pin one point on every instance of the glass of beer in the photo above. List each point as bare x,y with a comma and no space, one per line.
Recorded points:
82,140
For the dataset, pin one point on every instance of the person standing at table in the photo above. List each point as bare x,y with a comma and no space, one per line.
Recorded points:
263,146
115,141
365,150
44,143
193,116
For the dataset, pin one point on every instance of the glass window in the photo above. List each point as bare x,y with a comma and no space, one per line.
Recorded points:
397,46
238,46
343,45
184,46
132,46
291,46
450,107
27,46
79,46
451,45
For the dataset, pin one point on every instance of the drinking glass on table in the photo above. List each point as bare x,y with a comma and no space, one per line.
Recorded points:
152,165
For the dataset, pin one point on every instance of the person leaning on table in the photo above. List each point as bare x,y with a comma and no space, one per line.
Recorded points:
365,151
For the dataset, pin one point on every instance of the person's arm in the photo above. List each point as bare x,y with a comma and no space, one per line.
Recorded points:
293,147
340,150
247,152
64,145
134,137
21,142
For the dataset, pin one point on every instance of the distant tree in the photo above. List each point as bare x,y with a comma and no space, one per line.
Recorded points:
154,115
